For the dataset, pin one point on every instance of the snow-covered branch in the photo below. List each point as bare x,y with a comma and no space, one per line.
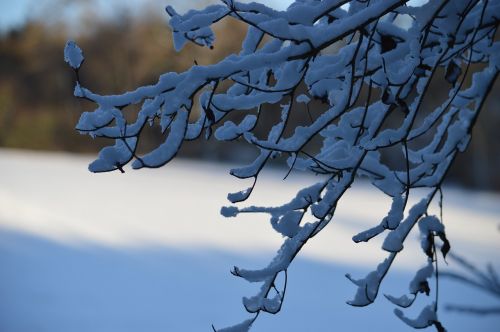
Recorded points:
357,64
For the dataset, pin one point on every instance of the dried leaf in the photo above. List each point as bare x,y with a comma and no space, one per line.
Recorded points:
387,98
210,115
429,250
424,288
446,244
453,72
387,43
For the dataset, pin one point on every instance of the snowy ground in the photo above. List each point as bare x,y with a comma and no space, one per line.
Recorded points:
148,251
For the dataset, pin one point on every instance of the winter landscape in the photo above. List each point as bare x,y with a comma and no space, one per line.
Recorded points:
332,166
149,251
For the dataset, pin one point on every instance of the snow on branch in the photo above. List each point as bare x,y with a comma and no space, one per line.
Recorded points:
356,64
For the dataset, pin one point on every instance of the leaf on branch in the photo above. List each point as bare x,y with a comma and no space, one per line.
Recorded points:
445,248
387,97
429,245
424,288
429,226
210,115
387,43
453,72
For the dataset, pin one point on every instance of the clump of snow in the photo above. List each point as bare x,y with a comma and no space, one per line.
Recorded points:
229,211
73,54
240,195
303,99
426,318
114,157
230,131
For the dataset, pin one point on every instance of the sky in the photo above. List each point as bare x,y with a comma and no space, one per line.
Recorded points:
15,13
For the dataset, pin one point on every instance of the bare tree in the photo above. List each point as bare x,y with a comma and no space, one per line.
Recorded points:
355,66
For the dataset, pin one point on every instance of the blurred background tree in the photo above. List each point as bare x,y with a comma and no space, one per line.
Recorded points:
132,48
